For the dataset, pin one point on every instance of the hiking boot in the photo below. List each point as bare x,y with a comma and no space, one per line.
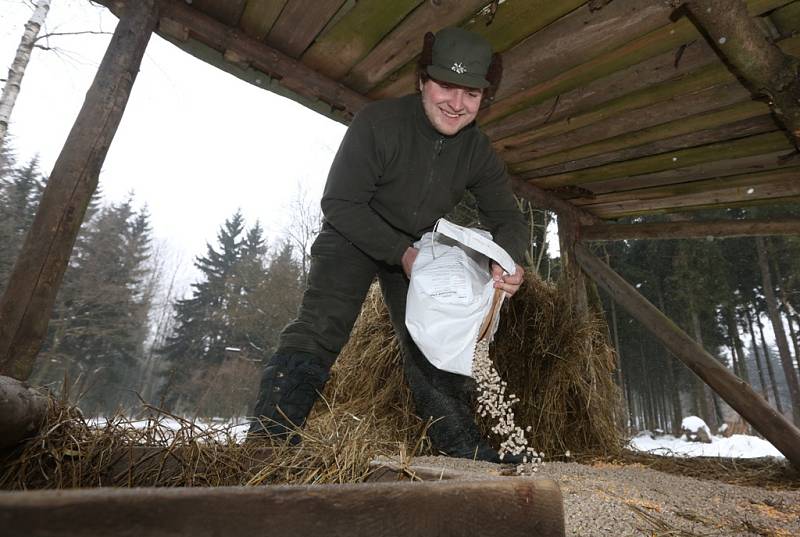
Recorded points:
290,385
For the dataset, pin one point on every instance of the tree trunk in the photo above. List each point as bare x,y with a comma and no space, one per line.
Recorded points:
770,370
703,394
26,306
777,327
11,90
787,306
736,344
756,355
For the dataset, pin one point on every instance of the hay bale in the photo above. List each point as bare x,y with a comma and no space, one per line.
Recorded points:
559,367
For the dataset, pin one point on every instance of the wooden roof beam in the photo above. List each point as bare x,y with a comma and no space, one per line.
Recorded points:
741,43
291,72
547,200
691,229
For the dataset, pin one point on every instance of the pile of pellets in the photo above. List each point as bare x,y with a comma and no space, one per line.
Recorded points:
495,403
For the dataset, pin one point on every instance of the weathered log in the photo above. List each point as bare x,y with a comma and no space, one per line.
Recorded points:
691,229
27,303
737,393
507,507
743,45
22,410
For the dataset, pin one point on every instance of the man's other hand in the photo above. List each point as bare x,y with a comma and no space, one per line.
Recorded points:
408,260
508,283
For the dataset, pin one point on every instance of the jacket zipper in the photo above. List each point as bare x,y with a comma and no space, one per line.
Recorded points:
437,149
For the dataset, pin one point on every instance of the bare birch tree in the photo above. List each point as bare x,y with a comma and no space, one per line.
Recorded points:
17,70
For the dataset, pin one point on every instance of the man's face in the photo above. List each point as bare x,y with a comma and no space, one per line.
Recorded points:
449,108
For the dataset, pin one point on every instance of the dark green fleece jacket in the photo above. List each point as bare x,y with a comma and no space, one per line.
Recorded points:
395,175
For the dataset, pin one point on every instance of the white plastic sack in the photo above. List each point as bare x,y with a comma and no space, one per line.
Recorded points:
451,292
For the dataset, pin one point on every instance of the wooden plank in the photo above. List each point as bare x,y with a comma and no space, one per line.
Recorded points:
585,98
259,16
509,507
691,229
753,145
737,393
292,74
787,18
299,23
604,152
31,290
679,115
576,38
405,42
228,12
653,43
513,21
705,170
745,180
357,33
707,193
696,81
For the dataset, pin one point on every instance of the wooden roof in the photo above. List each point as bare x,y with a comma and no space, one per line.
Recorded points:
619,109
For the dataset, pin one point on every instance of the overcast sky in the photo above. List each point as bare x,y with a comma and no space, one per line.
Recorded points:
195,143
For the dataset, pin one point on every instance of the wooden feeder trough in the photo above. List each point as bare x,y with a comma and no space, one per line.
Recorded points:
401,500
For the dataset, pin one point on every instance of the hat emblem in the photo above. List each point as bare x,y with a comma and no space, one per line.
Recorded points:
458,67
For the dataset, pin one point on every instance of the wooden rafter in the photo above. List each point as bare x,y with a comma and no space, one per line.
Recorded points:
292,74
691,229
764,68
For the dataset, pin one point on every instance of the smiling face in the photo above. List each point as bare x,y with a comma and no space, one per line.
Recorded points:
449,108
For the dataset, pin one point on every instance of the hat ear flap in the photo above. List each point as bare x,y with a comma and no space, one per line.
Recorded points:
425,57
493,75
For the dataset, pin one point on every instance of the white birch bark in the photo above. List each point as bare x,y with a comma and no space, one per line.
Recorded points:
17,70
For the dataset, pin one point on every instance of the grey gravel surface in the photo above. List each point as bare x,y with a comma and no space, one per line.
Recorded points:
617,500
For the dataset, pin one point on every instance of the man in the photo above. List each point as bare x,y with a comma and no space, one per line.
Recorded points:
402,164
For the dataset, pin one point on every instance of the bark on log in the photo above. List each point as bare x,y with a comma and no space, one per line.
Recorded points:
27,303
17,70
22,410
691,230
764,68
508,507
765,419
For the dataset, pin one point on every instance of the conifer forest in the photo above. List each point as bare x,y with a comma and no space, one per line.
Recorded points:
121,334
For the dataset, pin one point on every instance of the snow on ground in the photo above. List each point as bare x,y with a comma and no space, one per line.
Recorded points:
737,446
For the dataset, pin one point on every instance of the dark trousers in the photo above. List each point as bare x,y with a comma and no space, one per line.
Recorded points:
338,283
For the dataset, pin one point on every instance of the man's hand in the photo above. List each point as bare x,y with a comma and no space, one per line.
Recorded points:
408,260
507,283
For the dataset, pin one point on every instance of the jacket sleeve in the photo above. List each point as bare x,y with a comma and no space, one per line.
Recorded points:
497,207
352,182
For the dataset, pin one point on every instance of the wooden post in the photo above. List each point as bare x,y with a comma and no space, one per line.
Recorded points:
571,275
737,393
509,507
764,68
26,306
